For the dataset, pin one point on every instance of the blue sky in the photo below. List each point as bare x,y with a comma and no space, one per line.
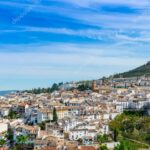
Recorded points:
46,41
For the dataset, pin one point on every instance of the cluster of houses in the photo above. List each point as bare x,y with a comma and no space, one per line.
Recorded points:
81,115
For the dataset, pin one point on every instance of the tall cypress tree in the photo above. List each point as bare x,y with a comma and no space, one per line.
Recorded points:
55,117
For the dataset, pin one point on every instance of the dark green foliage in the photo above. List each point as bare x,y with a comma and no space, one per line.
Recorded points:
84,86
129,145
55,117
102,138
2,142
134,113
54,87
125,145
103,147
42,124
61,83
13,114
22,139
10,135
131,125
140,71
39,90
115,134
147,138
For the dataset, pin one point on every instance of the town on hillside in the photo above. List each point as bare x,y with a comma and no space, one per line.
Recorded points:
102,114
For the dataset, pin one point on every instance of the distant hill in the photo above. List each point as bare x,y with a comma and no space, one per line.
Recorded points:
140,71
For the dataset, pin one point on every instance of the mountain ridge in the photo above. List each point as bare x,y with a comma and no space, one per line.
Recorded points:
143,70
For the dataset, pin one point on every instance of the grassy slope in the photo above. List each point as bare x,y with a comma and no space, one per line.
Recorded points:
140,71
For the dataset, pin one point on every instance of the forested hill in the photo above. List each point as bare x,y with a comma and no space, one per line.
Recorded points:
140,71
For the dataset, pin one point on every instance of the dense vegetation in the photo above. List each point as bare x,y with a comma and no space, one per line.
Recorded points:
13,115
133,128
54,87
103,138
85,85
129,145
82,86
140,71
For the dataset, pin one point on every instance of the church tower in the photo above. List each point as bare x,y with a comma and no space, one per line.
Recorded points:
94,85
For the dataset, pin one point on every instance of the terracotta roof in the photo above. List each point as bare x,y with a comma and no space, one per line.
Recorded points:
22,104
31,129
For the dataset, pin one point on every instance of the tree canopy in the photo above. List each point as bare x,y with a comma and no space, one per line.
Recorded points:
133,126
55,117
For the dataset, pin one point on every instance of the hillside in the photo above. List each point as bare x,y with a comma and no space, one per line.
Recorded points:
133,127
140,71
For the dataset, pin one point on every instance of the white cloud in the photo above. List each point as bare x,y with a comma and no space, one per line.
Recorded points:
70,62
44,64
98,18
88,3
117,36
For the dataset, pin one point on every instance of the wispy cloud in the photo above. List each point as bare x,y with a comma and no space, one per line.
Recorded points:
97,18
88,3
115,35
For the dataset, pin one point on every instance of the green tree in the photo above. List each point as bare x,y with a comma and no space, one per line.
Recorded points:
54,87
42,125
2,142
125,145
61,83
115,134
13,114
117,147
48,90
84,86
103,147
102,138
21,140
131,127
55,117
10,135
